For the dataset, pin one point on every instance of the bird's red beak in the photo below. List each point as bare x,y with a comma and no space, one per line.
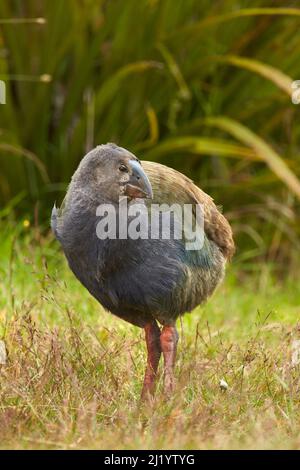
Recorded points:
138,185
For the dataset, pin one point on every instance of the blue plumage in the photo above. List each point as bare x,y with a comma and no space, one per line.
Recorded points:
140,280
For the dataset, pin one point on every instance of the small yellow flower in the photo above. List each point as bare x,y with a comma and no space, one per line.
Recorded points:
46,78
26,223
41,20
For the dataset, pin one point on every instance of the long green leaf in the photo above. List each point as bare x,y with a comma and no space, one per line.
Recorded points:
280,79
199,145
110,87
241,13
20,152
175,72
262,149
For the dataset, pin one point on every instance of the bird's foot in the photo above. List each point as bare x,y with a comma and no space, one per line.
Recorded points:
148,390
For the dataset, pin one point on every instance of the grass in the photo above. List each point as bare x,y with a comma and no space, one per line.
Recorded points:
74,372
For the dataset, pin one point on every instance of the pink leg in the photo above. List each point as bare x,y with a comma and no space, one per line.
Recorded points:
152,336
168,342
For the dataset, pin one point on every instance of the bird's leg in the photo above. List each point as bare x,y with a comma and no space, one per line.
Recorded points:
152,336
168,343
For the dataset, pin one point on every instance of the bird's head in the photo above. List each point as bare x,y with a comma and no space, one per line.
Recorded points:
111,172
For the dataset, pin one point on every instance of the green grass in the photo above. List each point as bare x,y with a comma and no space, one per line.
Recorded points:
74,372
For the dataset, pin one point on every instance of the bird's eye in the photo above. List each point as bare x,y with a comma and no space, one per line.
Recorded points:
123,168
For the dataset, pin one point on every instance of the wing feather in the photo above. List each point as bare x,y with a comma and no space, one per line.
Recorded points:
170,186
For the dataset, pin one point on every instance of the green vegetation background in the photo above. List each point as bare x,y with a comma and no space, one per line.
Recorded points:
205,87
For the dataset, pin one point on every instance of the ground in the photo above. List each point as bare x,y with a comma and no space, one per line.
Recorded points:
74,372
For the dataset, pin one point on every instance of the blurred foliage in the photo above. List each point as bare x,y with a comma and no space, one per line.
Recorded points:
202,86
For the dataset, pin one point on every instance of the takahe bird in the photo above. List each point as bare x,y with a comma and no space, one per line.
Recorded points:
144,281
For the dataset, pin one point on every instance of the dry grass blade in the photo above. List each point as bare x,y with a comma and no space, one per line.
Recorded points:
23,21
3,353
